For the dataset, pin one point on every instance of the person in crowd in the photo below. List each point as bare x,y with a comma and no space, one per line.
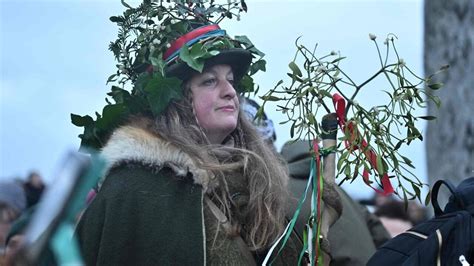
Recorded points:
195,184
417,213
12,204
394,217
34,187
15,241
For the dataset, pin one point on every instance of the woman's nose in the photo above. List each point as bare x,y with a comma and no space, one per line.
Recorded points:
228,90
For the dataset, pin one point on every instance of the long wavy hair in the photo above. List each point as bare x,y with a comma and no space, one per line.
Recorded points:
243,152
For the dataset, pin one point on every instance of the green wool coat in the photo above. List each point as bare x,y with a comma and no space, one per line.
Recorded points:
141,218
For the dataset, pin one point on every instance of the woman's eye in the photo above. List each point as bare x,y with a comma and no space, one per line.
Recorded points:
209,82
232,82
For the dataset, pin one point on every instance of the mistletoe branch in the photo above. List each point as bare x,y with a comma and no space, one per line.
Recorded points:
385,127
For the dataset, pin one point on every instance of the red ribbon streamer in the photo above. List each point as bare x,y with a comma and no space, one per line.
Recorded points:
371,156
176,45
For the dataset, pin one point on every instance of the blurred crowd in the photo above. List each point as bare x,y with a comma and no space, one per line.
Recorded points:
17,199
380,216
396,216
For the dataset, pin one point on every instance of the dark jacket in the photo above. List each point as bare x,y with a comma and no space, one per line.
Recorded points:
151,209
356,234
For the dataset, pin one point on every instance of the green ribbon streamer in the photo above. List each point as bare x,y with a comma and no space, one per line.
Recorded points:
65,246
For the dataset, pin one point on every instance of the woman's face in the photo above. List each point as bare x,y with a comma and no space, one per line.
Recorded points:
215,102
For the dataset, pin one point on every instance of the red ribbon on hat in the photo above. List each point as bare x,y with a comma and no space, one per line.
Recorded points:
178,43
371,156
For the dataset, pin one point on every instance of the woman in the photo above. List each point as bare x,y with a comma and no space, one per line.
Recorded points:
192,185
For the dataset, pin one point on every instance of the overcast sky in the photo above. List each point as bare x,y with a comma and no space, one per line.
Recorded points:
55,61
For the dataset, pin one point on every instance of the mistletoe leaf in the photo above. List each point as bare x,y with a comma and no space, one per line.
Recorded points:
428,198
417,191
407,161
292,129
427,117
435,86
397,146
338,59
244,5
380,166
270,98
296,70
116,19
112,78
325,93
125,4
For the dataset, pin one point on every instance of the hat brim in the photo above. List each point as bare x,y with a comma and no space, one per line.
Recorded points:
238,59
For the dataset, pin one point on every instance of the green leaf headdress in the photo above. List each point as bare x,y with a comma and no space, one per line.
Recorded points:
159,46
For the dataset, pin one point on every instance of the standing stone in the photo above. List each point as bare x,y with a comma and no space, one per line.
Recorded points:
449,39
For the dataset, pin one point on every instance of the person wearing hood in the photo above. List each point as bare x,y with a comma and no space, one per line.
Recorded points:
12,204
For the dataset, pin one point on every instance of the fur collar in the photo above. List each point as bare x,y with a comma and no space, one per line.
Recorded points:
131,143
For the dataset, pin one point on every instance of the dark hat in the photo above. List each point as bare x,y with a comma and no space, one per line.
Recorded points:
237,58
13,195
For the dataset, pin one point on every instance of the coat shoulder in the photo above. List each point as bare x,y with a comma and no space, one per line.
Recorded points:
132,145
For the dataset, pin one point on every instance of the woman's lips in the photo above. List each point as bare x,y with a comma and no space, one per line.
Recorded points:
227,108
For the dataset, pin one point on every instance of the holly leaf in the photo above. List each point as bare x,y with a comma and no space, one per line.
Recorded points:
160,91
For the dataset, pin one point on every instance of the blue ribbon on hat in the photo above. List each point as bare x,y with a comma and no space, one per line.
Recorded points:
214,33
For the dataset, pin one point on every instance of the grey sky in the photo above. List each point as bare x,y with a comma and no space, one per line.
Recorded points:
55,61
